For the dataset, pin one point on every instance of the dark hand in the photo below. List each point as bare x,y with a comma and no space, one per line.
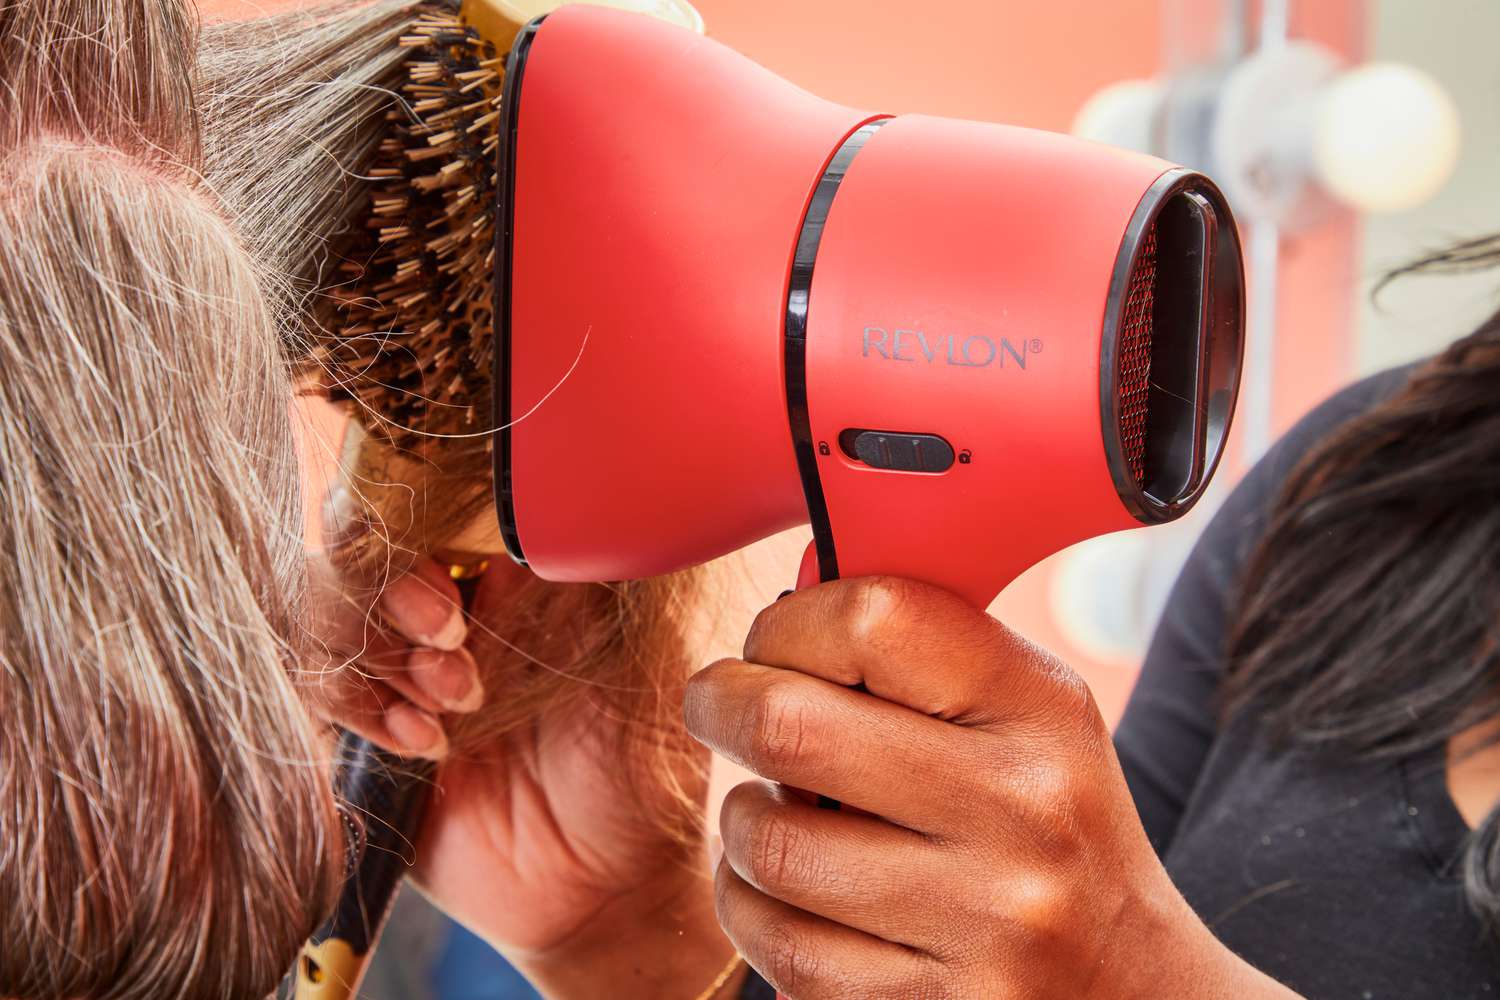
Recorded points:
995,851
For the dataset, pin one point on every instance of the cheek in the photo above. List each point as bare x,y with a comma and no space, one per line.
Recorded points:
319,429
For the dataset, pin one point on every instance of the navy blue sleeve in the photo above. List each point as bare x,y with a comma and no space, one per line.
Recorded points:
756,988
1171,719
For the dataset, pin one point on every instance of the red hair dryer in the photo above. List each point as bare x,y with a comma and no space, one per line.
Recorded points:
726,307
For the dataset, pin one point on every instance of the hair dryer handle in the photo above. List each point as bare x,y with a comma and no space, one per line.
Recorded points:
807,573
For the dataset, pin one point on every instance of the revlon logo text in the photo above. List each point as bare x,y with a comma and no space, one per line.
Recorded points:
977,351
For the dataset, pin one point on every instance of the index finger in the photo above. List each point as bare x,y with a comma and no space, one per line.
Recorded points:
913,644
921,773
425,607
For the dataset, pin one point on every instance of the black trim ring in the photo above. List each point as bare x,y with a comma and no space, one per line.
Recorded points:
798,292
505,190
1218,329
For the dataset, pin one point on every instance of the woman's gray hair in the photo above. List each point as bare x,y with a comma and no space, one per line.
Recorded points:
169,827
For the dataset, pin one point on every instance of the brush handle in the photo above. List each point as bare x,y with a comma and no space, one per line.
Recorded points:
389,794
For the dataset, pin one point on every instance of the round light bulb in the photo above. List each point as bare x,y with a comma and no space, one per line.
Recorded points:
1122,114
1386,137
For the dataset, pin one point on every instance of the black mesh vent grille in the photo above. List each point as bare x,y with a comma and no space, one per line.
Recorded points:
1135,357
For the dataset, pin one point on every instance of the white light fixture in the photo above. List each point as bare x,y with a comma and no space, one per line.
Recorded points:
1122,114
1292,132
1295,133
1386,137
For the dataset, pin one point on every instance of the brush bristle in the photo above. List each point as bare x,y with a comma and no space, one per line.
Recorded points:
409,332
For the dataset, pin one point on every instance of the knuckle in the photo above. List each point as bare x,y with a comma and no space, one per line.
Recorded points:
1041,909
1074,692
989,782
1067,694
741,805
1030,913
779,724
787,961
1074,712
873,608
1045,805
776,852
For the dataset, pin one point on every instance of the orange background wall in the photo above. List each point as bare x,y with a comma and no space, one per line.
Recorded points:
1034,63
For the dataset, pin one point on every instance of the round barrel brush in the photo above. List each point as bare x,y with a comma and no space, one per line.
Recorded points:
406,338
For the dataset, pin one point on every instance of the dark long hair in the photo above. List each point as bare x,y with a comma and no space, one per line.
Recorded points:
1369,618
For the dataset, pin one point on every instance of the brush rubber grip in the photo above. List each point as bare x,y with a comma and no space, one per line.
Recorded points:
389,795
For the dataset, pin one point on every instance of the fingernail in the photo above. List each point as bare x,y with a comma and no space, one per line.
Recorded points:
417,732
454,631
422,614
449,678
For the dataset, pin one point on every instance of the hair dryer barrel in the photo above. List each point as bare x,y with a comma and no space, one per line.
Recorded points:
726,306
1015,341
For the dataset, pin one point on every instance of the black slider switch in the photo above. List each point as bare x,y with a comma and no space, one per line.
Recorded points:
898,452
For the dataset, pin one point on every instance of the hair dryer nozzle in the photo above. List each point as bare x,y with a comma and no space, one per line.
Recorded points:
1173,340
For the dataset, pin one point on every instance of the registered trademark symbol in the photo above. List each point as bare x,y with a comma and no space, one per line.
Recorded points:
1035,346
